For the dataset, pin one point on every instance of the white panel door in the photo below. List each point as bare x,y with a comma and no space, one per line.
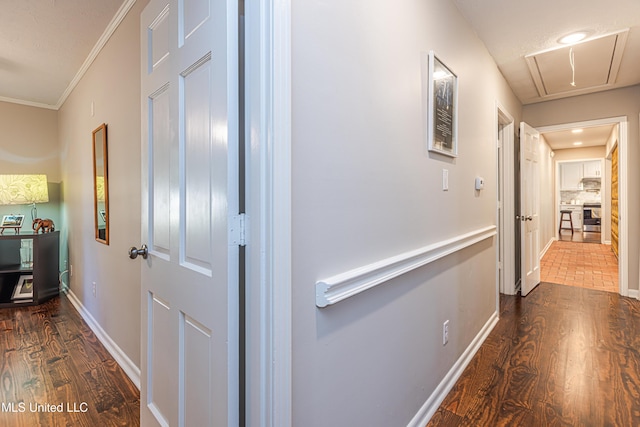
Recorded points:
189,196
529,207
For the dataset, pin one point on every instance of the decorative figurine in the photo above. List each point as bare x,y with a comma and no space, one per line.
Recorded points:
46,225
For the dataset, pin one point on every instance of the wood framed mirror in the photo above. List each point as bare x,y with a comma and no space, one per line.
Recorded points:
101,184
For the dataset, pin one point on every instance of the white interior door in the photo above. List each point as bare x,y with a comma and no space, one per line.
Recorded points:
189,199
529,207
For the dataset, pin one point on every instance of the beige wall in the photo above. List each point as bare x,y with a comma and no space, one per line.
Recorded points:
29,141
112,84
547,198
365,189
613,103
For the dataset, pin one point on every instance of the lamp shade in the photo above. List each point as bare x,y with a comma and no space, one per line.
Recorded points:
23,189
100,188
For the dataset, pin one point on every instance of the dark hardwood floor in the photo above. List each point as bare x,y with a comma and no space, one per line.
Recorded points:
561,356
56,373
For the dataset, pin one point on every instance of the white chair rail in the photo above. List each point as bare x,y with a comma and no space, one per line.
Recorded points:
345,285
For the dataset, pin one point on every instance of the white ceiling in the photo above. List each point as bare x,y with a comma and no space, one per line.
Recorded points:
589,137
512,30
44,44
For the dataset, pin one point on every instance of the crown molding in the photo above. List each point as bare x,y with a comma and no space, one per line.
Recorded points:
102,41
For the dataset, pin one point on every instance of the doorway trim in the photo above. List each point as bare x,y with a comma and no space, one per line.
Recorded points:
623,261
268,208
505,217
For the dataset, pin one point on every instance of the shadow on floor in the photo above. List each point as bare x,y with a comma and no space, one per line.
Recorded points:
579,236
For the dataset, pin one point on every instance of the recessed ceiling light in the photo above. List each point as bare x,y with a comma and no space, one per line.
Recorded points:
576,130
573,37
577,143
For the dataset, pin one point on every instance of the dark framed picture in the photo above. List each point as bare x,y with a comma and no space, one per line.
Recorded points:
12,220
24,288
442,108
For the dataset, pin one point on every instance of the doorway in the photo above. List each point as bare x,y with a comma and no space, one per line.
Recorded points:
507,177
573,250
583,191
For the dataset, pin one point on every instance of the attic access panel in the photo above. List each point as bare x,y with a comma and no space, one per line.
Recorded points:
597,62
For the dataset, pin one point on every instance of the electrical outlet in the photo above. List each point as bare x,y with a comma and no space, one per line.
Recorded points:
94,289
445,332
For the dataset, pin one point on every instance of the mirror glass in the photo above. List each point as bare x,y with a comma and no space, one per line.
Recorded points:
101,184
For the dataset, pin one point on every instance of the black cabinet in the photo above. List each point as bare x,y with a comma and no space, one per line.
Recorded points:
29,268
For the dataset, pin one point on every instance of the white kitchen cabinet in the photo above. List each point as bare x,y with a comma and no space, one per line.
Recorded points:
592,169
576,217
570,175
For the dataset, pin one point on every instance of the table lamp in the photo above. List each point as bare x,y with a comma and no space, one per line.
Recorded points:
24,190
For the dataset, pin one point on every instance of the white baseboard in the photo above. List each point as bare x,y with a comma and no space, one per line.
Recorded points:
433,402
546,248
634,293
132,371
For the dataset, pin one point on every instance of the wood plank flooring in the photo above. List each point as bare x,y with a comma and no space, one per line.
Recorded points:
562,356
56,373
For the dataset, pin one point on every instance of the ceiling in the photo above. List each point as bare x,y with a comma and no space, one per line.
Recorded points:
46,44
589,137
522,37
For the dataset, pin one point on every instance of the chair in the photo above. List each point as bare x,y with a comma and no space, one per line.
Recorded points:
563,220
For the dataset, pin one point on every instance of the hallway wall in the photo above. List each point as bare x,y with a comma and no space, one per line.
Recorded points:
29,141
366,189
613,103
112,85
548,201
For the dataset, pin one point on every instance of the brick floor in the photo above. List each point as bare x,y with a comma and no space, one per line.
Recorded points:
586,265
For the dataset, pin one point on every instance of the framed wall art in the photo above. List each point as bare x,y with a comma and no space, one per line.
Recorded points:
12,221
442,108
24,288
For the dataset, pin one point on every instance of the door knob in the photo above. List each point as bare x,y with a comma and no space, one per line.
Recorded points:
529,218
134,252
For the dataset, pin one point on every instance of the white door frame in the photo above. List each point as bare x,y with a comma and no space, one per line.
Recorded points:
506,210
623,260
268,208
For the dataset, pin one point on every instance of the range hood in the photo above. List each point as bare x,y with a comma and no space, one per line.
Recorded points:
590,184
